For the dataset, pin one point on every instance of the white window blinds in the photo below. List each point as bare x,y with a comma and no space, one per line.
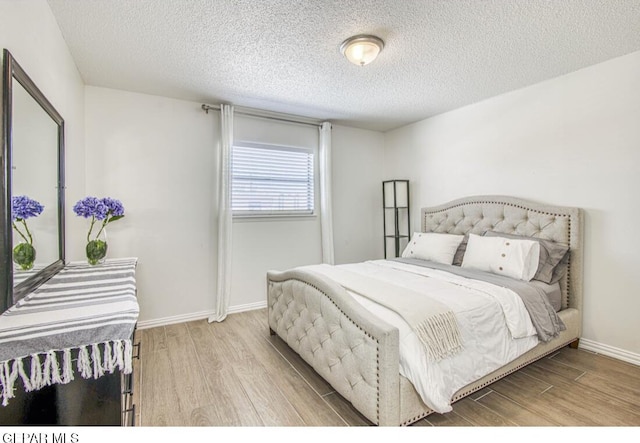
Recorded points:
272,180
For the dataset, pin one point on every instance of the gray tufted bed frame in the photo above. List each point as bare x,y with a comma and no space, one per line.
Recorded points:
357,353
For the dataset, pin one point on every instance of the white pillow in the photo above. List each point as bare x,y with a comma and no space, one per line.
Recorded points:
432,246
503,256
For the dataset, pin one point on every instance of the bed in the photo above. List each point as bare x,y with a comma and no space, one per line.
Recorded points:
360,347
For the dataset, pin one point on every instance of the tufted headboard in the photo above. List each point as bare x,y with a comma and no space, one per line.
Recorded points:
511,215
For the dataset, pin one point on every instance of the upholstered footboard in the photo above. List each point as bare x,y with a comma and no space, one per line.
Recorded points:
351,349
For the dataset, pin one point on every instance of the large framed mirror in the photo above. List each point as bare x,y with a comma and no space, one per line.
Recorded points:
32,194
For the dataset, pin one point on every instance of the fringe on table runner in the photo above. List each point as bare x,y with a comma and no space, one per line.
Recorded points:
117,354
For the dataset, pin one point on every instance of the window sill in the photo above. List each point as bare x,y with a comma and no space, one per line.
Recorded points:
244,218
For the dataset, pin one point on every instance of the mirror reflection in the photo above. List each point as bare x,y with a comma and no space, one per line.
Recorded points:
32,186
34,181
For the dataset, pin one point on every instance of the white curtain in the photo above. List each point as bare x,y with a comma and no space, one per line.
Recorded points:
225,224
326,219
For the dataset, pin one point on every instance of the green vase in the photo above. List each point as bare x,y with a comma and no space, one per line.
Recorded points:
24,255
97,249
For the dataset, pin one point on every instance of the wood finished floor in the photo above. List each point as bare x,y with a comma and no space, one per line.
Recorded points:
234,374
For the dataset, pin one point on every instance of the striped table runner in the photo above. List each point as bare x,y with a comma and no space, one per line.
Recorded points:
92,310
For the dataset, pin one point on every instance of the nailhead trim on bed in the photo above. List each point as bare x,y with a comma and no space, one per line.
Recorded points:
568,275
415,419
495,202
363,331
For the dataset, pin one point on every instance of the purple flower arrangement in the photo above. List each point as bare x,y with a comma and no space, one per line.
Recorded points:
104,210
22,208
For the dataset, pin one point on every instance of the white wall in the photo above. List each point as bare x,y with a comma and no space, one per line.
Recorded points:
30,32
157,155
573,140
357,163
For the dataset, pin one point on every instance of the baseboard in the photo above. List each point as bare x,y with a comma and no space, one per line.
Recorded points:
247,307
146,324
609,351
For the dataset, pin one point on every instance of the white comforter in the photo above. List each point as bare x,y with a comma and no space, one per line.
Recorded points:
493,321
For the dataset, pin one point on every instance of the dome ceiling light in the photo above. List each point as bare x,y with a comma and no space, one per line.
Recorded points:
361,49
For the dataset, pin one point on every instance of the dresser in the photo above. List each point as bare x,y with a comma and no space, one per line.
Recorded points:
67,350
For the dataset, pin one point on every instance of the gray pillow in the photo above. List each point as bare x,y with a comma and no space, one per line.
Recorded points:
560,269
457,259
550,270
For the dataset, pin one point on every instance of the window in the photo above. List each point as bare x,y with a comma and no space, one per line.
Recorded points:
272,180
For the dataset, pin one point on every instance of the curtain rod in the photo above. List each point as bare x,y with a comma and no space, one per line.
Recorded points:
267,115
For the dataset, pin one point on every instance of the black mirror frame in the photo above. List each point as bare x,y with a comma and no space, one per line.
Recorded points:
13,71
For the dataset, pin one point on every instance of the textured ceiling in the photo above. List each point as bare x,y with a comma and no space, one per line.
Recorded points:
283,55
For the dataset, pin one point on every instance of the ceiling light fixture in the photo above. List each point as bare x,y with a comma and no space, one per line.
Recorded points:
361,49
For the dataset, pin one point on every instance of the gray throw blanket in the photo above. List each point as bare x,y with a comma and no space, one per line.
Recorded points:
544,318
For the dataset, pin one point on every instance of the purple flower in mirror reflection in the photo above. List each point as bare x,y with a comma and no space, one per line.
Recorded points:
106,209
22,208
